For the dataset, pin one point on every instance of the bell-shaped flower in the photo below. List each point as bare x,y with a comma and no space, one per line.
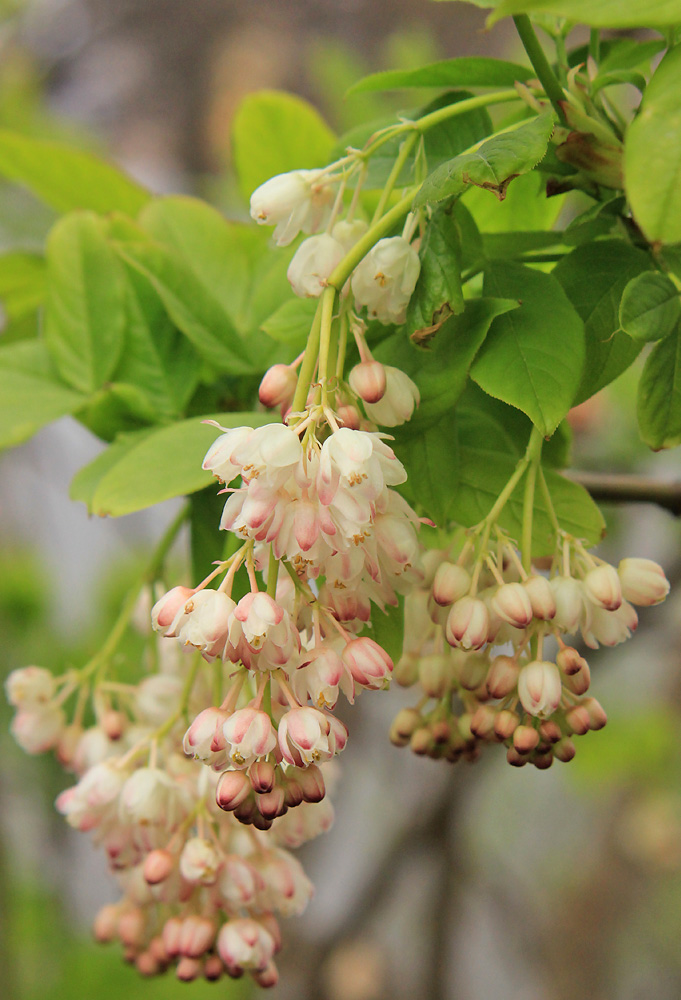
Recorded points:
568,595
291,202
203,622
150,796
218,458
368,662
540,688
199,861
348,233
29,685
468,623
602,586
385,279
248,735
312,264
307,736
398,401
199,739
245,944
38,727
643,581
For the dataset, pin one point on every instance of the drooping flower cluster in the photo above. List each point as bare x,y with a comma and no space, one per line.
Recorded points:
477,640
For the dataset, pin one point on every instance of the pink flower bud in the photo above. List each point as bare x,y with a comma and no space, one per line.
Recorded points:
171,935
503,676
131,927
272,804
643,581
368,381
238,881
569,598
245,944
482,721
525,739
105,926
539,688
512,603
451,583
368,662
564,750
278,386
541,597
467,623
398,402
113,723
602,586
596,713
146,964
348,416
158,865
164,611
505,724
569,661
577,719
213,968
579,681
196,936
232,790
263,776
188,969
199,861
268,977
311,781
198,740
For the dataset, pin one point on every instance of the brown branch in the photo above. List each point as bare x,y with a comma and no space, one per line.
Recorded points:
620,488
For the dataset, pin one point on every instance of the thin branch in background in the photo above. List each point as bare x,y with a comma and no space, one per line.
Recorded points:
619,488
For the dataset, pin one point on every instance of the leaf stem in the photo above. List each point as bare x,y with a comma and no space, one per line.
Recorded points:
533,457
327,303
343,271
309,362
401,159
540,63
272,573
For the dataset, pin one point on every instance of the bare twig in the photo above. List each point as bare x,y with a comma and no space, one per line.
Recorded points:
619,488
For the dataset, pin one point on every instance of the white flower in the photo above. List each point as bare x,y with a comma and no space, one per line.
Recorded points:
149,796
348,233
294,201
29,685
199,861
540,688
249,736
203,622
385,279
245,944
313,262
38,727
643,581
399,399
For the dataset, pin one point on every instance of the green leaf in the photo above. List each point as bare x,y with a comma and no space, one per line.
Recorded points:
652,152
22,283
67,178
594,277
29,356
163,464
599,219
596,13
207,540
222,255
483,475
274,132
616,77
650,307
387,629
28,402
533,357
659,394
157,360
85,305
291,322
193,309
86,480
467,71
493,165
441,370
430,458
438,292
501,245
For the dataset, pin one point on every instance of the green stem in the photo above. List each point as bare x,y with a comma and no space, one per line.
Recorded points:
503,499
308,363
595,45
272,573
549,503
342,344
561,59
343,271
328,302
402,157
536,55
533,457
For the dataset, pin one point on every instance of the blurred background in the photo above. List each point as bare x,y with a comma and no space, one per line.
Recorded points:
436,882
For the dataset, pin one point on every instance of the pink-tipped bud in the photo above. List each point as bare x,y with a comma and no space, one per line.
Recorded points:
311,781
188,969
268,977
543,761
404,724
272,804
368,381
550,731
262,776
435,675
146,964
232,790
467,623
577,719
158,865
471,671
525,739
514,758
278,386
541,597
348,416
579,683
506,724
482,721
158,950
293,790
369,663
113,723
596,713
451,582
540,688
503,676
197,936
105,926
602,586
164,611
564,750
569,661
213,968
171,935
131,926
643,581
512,603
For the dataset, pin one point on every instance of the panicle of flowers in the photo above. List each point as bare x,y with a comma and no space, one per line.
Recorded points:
479,633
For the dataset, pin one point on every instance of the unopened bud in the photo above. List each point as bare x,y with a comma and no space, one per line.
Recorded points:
512,603
441,732
421,741
550,731
471,671
368,381
113,723
146,964
503,676
603,588
579,683
311,781
188,969
278,386
105,926
158,865
569,598
272,804
435,675
262,776
131,926
543,761
596,713
232,790
406,670
540,688
467,623
643,581
403,725
577,719
213,968
482,721
564,750
451,583
505,724
541,597
525,739
569,661
514,758
348,416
